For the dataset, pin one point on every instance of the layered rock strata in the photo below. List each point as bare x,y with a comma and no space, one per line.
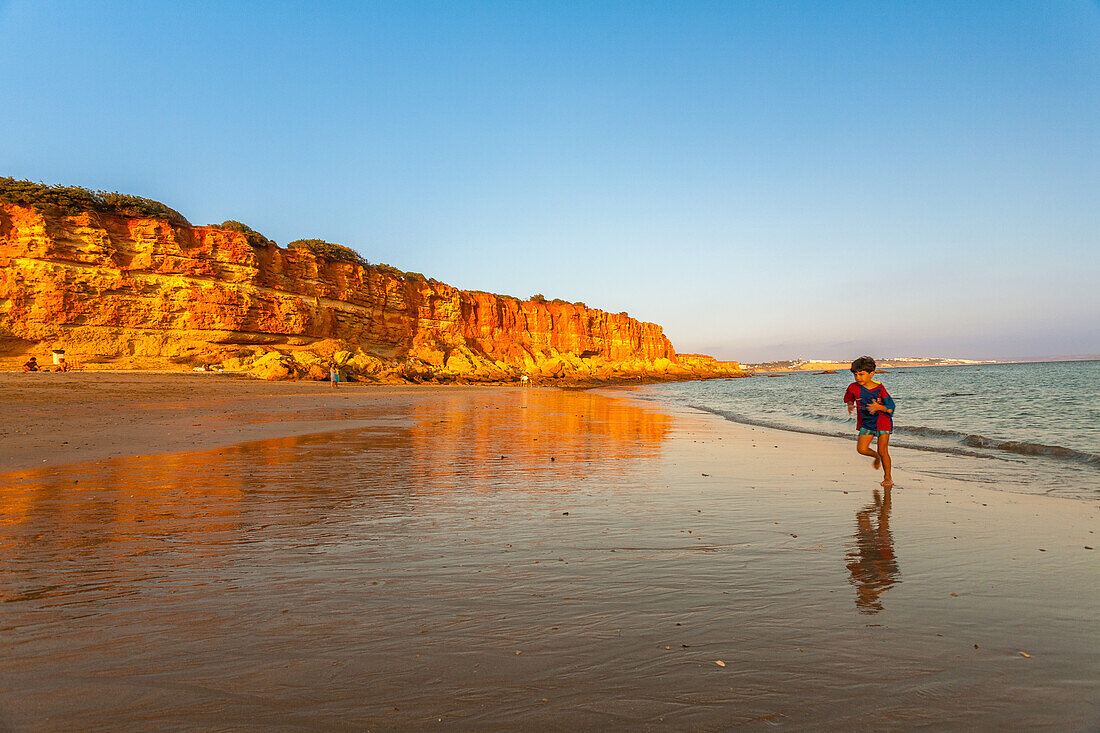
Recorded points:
145,293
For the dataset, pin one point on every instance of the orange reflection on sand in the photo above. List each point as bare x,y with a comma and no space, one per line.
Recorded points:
471,439
86,529
138,489
428,445
873,566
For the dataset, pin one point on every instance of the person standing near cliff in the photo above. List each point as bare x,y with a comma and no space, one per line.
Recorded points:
876,410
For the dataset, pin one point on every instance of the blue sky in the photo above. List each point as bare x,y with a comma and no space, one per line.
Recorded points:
763,179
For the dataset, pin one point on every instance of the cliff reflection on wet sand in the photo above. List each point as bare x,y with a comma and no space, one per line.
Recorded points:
371,575
92,515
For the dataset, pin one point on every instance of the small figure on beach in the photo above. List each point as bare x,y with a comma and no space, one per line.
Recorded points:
876,409
333,377
31,365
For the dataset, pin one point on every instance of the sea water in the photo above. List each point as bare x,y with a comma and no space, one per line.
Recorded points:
1030,428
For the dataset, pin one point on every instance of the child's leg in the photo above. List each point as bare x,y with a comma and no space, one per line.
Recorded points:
863,447
884,454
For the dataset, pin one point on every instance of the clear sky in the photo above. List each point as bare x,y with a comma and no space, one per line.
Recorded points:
763,179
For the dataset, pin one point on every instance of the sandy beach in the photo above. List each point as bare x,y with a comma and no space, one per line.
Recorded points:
60,418
203,551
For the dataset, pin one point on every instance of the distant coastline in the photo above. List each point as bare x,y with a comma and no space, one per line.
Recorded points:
797,365
817,365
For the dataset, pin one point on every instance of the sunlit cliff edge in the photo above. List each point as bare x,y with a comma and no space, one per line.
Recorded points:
122,291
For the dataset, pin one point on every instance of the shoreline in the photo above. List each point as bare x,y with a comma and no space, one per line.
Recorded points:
968,413
73,419
837,451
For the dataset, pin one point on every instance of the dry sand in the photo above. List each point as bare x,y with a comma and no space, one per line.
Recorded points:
503,558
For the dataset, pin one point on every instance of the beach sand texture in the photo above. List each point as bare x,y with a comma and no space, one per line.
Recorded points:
228,553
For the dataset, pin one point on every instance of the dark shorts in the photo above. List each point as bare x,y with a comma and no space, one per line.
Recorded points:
868,431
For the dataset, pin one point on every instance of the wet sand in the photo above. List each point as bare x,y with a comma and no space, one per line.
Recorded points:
60,418
430,565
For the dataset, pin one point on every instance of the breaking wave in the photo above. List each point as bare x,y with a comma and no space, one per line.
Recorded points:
1032,449
957,442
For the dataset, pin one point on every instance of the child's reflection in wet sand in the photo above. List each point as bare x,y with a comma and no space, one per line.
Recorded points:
872,563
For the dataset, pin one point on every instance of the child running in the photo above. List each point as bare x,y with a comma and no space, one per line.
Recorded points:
876,409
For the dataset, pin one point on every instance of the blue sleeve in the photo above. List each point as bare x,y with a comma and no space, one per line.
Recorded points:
887,400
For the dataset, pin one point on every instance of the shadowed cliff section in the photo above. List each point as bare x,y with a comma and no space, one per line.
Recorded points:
127,291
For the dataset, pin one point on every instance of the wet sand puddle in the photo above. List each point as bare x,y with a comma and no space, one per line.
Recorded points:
544,559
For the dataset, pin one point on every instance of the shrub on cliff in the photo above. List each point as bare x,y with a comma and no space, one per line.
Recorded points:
390,270
70,200
328,250
538,298
254,237
399,274
502,296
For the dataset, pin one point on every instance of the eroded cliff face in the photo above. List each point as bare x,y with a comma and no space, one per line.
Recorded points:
128,292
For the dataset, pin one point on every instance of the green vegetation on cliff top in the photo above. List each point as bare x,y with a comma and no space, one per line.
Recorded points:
71,200
254,237
331,251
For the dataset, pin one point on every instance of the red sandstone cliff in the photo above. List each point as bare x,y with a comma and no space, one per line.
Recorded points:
138,292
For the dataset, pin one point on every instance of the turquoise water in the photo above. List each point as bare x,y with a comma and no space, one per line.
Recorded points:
1031,428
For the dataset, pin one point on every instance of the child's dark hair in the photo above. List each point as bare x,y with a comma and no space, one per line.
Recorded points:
863,364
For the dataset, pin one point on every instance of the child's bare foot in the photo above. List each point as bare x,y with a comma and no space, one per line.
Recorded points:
886,484
877,464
